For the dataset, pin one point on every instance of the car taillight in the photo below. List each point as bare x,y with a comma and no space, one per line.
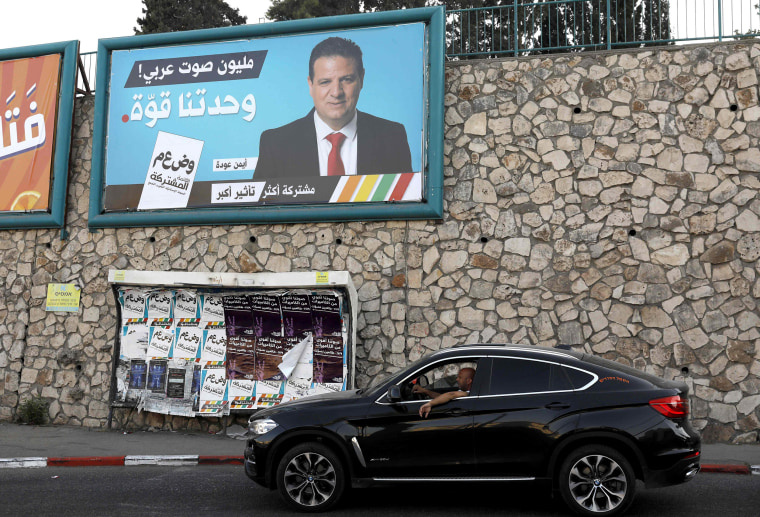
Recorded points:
671,407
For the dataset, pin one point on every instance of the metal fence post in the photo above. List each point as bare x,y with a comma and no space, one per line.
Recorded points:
720,20
609,26
514,27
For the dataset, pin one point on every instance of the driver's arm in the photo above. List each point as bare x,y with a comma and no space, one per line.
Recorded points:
419,389
440,399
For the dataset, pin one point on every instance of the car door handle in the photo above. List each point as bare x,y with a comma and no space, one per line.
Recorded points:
455,412
557,405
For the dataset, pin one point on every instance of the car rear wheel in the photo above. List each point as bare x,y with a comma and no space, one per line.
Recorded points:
597,480
310,477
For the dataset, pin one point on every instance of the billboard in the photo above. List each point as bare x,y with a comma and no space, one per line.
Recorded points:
313,120
35,133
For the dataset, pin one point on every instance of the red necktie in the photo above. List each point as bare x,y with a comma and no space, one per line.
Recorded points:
334,163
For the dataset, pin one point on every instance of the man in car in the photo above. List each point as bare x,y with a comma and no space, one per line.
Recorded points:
464,381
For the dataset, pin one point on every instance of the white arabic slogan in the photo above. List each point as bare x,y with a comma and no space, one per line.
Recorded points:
34,121
153,112
171,172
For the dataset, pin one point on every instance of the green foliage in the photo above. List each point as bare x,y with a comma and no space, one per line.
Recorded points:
283,10
185,15
34,410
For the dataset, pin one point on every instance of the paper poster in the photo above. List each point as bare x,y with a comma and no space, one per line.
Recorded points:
171,171
138,374
269,352
296,314
241,357
328,359
325,314
213,392
175,383
187,342
161,340
134,341
157,370
134,304
238,318
265,311
240,393
269,393
212,308
160,305
214,345
186,304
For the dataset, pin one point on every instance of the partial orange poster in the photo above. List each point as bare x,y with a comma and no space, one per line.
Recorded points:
28,104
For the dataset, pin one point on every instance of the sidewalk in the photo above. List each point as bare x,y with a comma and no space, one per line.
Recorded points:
40,446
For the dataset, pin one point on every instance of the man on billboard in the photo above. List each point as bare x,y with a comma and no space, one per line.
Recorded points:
334,139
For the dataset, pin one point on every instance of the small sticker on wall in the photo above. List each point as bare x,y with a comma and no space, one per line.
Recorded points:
322,277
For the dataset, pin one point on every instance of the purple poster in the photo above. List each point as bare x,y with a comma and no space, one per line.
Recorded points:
328,359
296,314
325,314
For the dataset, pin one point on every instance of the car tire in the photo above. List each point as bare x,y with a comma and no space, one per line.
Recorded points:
311,477
597,480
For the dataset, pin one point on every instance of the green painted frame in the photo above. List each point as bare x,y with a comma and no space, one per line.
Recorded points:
55,215
431,207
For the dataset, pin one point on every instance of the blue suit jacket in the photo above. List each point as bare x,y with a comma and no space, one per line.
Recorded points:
290,151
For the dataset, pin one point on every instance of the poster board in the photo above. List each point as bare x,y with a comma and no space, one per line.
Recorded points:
38,85
195,344
222,125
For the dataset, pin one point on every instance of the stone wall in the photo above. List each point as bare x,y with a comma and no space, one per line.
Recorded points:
607,201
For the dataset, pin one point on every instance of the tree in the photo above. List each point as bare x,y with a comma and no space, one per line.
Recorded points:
184,15
282,10
490,28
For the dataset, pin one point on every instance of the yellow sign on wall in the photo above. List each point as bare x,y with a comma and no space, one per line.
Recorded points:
62,297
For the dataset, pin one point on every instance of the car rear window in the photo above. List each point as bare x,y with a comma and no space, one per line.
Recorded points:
513,376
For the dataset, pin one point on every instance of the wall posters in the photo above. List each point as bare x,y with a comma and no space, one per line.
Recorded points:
232,123
187,353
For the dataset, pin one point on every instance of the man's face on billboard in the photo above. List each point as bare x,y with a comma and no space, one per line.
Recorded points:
335,89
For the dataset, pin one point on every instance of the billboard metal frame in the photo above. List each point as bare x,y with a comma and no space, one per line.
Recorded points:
431,206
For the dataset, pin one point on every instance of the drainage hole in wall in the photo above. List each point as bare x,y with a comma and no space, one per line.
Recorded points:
484,239
632,233
734,107
78,367
338,241
576,110
251,239
152,239
48,245
685,370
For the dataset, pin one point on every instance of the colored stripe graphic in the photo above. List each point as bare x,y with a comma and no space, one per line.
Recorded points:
386,182
401,186
368,183
348,190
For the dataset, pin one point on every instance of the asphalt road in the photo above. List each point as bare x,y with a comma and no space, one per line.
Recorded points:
224,490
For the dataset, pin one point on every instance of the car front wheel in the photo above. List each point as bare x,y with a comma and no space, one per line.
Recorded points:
310,477
597,480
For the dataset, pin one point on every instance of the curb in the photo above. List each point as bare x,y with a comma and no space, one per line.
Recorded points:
119,461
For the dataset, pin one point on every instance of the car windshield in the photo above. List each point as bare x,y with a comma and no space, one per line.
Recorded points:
382,377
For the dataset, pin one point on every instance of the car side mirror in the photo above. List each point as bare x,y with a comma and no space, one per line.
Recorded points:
394,394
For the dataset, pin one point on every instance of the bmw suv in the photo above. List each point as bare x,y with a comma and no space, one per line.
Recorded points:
586,426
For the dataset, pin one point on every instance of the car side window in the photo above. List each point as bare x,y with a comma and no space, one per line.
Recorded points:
440,378
578,378
510,376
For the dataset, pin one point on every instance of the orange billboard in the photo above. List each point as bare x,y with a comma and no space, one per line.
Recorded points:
28,105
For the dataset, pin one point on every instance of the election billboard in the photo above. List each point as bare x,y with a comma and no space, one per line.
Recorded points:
37,95
326,119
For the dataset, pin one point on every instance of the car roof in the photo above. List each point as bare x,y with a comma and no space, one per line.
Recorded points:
511,349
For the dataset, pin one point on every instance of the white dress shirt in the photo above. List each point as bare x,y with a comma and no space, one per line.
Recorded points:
347,149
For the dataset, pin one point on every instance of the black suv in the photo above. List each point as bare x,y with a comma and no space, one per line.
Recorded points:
588,426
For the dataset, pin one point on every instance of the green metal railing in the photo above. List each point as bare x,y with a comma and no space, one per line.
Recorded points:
525,27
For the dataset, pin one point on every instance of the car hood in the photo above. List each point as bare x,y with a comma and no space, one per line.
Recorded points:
311,401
